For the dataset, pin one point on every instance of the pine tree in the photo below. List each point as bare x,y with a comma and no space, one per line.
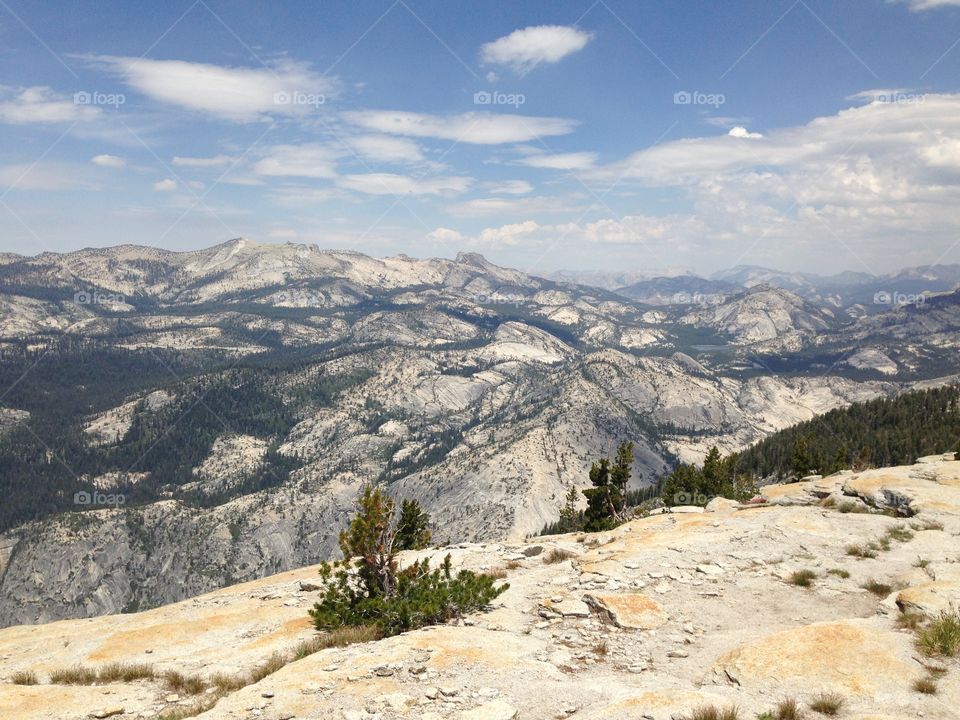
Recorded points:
606,500
372,590
413,531
569,515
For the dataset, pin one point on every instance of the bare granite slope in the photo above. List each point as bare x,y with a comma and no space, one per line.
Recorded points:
649,621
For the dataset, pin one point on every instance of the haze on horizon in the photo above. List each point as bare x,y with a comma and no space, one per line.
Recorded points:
801,135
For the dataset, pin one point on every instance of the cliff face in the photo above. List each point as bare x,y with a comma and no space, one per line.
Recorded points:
652,620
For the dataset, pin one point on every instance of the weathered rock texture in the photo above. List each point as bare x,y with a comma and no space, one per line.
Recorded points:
651,620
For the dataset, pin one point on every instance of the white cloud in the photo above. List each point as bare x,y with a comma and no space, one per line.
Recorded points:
311,160
511,187
513,206
562,161
446,236
921,5
512,234
233,93
40,105
386,149
524,49
165,185
110,161
390,184
741,132
472,128
203,162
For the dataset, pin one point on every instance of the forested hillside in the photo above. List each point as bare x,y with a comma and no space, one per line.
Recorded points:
881,432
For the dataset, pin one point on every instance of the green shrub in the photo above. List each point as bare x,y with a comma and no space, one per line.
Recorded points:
900,534
372,591
839,572
941,636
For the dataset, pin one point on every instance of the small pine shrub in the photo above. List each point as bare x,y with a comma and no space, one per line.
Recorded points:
371,590
24,677
941,636
802,578
827,704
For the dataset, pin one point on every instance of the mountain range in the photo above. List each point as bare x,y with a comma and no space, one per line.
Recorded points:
173,422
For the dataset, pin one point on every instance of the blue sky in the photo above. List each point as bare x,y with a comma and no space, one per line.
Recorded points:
804,135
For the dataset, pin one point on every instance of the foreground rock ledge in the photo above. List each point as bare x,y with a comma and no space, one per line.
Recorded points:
651,620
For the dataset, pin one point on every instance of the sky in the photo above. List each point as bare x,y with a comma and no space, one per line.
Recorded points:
616,135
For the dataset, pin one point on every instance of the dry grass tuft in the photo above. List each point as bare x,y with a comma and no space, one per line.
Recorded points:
802,578
24,677
827,703
557,555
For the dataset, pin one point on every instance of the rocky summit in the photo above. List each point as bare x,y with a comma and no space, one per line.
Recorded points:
809,593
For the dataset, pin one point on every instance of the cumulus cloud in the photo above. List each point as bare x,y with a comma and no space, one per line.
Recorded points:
524,49
390,184
741,132
41,105
232,93
472,128
109,161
